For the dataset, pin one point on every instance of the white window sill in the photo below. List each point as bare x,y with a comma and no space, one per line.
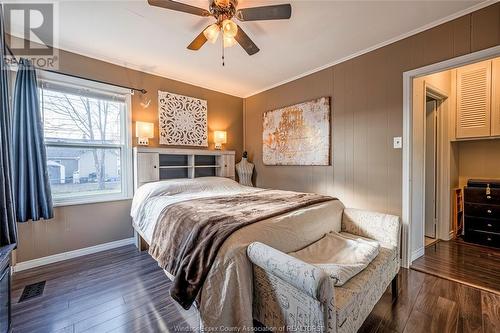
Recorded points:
89,201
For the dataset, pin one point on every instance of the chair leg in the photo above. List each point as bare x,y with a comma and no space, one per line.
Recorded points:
394,285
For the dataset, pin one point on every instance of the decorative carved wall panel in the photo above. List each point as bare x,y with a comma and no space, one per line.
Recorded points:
183,120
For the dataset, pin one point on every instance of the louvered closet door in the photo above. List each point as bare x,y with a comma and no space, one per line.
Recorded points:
495,98
474,100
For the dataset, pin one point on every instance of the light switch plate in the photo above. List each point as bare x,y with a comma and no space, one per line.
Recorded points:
398,142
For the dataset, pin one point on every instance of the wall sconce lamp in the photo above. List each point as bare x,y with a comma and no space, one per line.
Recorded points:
220,138
144,131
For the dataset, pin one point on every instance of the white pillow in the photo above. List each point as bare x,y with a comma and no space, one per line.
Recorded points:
202,184
181,186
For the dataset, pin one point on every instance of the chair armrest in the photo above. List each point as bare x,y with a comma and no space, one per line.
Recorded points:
307,278
383,228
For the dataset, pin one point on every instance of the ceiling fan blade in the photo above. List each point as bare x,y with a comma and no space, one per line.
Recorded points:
275,12
245,42
198,42
179,6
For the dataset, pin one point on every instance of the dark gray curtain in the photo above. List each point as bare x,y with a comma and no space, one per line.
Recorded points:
31,179
8,231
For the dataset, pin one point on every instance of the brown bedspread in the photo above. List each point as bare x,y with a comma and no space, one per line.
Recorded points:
189,234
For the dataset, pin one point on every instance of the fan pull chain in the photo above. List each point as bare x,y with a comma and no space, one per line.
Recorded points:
222,40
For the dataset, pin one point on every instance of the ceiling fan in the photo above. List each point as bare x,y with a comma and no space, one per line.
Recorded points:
224,11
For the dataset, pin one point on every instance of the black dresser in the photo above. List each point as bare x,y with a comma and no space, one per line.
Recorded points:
482,212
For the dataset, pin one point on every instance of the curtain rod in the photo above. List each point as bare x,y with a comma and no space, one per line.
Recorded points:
142,91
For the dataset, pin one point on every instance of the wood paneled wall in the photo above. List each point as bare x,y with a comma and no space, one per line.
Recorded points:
367,109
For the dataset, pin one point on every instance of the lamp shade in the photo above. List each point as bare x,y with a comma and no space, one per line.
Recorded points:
144,130
220,137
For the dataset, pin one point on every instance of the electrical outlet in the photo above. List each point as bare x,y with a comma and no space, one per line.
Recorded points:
398,142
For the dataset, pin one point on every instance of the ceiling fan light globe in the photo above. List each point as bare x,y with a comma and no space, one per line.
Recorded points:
229,28
229,41
212,33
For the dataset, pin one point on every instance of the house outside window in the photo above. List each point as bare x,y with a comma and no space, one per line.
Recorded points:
88,140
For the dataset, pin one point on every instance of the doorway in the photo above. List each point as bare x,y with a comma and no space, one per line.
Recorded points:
447,161
414,156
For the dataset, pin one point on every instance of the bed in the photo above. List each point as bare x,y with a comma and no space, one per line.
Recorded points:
225,298
252,276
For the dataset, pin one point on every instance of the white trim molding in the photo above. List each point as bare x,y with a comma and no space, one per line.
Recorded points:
68,84
24,265
410,200
417,254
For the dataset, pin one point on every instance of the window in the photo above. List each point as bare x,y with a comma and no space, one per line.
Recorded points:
86,130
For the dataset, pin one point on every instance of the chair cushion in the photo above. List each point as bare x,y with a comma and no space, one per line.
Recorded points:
340,255
356,299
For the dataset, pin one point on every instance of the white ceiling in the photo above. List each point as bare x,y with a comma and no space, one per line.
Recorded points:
154,40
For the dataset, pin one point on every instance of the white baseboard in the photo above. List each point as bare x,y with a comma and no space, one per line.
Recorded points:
21,266
417,254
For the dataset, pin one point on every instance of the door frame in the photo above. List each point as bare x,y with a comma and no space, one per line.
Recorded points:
443,150
436,114
410,202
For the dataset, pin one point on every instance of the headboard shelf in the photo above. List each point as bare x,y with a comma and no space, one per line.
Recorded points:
154,164
174,166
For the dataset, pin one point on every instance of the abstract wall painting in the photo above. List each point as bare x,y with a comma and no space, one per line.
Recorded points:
298,134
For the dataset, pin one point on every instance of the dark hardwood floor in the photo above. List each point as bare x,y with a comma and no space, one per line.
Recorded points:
119,290
474,265
122,290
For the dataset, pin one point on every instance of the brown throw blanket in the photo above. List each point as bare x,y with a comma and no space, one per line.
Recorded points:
189,234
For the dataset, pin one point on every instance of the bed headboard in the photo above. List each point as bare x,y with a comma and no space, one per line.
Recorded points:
154,164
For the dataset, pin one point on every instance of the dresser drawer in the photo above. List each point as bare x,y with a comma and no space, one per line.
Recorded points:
481,224
482,210
478,195
483,238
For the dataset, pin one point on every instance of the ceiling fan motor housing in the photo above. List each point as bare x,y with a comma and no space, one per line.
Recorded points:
223,9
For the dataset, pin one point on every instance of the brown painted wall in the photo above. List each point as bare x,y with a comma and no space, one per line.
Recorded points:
76,227
479,159
367,109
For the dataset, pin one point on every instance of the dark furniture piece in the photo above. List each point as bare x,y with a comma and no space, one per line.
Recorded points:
482,212
5,309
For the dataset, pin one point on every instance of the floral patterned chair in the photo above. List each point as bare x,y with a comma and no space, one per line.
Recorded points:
292,295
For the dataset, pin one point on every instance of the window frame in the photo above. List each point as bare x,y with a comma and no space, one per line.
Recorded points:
125,132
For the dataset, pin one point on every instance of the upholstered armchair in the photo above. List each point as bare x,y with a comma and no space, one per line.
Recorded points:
296,296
